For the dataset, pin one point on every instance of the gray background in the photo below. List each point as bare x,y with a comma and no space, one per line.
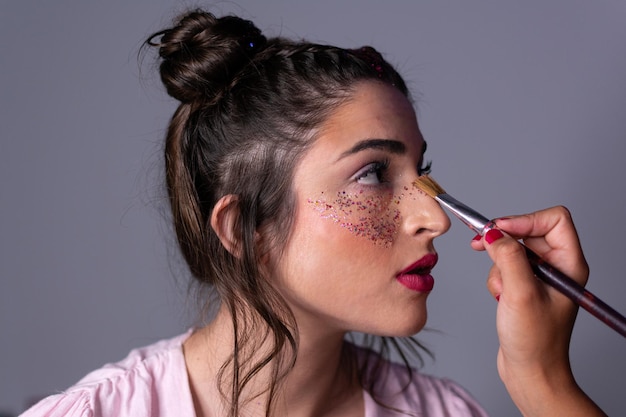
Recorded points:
523,105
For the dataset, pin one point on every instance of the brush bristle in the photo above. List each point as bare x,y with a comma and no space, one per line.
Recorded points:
429,186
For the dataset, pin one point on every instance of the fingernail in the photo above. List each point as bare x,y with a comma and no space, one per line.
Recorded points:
495,221
477,238
492,235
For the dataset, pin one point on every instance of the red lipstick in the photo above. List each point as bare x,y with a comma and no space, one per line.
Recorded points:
417,276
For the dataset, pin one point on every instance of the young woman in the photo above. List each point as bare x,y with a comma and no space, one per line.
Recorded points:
290,170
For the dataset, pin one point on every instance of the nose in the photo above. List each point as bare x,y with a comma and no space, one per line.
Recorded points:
423,215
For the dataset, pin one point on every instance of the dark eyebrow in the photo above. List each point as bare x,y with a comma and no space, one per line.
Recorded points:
393,146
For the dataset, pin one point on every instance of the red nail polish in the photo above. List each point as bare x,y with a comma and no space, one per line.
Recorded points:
477,238
492,235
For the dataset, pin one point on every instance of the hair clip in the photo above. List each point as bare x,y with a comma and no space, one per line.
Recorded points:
372,57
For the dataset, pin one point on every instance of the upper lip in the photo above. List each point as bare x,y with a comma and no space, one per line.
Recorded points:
421,267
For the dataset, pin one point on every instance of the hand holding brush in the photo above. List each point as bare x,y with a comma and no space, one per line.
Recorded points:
542,269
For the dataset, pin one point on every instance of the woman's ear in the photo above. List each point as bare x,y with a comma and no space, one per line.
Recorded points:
223,221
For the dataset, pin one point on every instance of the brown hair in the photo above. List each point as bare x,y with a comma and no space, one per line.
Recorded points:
249,109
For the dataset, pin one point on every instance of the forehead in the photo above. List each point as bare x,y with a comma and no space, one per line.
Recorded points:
375,110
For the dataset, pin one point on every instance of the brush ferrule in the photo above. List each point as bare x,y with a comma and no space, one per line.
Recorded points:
476,221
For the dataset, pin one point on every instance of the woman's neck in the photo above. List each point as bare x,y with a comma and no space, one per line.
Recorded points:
320,383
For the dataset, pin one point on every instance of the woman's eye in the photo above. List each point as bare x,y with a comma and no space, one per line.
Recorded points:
372,174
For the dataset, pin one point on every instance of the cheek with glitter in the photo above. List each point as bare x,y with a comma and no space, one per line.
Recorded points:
415,189
373,217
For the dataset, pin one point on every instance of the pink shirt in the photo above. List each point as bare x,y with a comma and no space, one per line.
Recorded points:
152,381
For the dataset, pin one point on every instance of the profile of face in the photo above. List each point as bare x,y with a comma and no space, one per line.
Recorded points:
361,248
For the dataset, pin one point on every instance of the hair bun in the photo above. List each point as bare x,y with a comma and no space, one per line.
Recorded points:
201,54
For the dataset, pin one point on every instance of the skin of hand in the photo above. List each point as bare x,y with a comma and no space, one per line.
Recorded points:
534,321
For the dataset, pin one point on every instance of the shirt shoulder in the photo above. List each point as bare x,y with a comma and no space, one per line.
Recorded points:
407,389
150,381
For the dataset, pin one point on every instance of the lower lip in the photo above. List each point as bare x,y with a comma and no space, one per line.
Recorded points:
421,283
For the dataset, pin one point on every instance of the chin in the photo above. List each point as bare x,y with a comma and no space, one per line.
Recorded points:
412,320
406,326
413,330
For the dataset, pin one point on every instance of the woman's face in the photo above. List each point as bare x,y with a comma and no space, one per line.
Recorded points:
361,249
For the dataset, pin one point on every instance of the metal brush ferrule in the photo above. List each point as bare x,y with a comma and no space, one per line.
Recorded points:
476,221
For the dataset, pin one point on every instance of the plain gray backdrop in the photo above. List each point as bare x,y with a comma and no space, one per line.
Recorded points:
523,105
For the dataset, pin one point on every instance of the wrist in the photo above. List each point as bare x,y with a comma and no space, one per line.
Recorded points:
538,394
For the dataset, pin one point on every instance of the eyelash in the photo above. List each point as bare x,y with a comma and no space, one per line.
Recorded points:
426,169
380,169
377,167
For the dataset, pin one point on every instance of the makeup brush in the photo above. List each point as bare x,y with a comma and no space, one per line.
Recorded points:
543,270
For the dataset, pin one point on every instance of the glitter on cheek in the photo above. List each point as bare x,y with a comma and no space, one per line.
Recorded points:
418,189
373,217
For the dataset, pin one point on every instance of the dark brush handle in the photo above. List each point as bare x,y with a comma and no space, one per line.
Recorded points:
576,292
